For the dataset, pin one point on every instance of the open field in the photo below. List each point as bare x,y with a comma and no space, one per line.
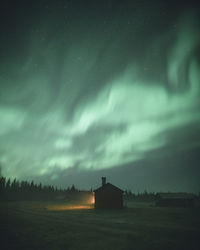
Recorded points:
36,225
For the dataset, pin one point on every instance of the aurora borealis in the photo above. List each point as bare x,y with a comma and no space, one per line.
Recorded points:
101,87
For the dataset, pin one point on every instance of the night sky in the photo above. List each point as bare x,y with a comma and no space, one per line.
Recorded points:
101,88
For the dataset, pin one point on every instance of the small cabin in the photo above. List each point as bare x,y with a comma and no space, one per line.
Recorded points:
174,200
108,196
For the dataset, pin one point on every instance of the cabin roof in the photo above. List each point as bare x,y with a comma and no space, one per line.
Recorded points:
175,196
106,186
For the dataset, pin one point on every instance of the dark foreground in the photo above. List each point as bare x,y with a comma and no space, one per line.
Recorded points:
31,225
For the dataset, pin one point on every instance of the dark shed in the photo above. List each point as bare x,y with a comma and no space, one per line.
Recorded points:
108,196
175,200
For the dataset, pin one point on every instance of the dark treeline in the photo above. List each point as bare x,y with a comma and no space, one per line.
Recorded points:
129,195
14,190
24,190
151,196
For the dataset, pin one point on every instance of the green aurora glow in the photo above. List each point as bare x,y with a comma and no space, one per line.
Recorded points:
84,96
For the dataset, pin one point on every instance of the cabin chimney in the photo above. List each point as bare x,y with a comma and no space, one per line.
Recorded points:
103,180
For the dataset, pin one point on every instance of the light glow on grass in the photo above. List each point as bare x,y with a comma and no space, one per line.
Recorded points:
62,207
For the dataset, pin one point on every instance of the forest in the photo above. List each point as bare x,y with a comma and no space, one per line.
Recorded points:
15,190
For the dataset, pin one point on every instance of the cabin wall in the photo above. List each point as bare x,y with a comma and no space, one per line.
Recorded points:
108,199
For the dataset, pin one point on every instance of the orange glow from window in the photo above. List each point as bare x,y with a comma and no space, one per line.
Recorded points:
92,200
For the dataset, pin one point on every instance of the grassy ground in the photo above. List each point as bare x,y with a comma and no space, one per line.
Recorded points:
27,225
